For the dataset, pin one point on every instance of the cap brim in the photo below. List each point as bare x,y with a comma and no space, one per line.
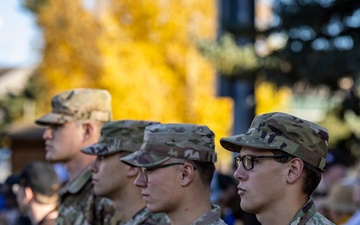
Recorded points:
144,159
98,149
236,142
53,118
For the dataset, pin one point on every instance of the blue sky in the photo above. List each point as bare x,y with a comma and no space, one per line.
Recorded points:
20,38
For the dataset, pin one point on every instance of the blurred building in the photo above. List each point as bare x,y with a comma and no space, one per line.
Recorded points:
20,143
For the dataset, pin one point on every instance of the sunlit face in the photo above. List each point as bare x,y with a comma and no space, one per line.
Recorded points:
262,186
162,192
63,142
109,175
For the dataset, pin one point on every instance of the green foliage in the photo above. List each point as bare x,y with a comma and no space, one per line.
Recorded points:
322,45
34,5
12,106
228,57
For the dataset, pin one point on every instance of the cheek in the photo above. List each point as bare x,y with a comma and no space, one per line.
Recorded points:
267,181
162,185
61,137
106,167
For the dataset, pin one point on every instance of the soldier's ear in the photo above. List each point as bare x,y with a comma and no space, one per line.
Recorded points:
295,168
88,130
28,193
187,174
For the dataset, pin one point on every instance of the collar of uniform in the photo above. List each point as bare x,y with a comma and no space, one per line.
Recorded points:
79,182
210,216
305,213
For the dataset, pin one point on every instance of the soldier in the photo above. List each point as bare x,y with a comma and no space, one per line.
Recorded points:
36,190
176,164
75,122
115,180
282,158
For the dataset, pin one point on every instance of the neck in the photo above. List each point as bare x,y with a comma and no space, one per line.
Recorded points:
77,165
38,212
282,212
80,161
188,212
128,201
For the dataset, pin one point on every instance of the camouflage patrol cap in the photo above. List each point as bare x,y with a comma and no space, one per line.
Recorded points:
78,104
281,131
121,135
165,141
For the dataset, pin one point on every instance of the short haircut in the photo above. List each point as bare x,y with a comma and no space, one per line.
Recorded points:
206,171
312,174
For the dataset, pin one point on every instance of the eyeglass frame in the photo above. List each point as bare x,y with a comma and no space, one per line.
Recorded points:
144,170
240,159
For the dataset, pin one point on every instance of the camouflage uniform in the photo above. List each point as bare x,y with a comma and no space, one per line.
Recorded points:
79,206
307,215
183,141
145,217
210,218
125,136
77,203
298,137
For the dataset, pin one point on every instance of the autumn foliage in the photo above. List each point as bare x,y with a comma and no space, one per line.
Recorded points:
142,52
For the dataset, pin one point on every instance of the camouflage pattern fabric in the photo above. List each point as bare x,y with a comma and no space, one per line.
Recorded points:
308,215
121,135
165,141
281,131
145,217
79,206
78,104
210,218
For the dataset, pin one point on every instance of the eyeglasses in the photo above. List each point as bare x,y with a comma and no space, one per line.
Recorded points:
248,160
144,170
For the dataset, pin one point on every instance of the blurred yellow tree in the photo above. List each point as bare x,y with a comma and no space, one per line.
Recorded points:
270,98
141,51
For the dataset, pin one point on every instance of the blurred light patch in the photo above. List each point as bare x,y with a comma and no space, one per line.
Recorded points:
344,43
346,83
321,44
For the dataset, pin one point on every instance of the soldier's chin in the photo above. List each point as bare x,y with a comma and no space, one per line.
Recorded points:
247,208
153,209
51,158
99,193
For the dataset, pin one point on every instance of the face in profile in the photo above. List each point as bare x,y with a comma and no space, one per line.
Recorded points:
160,187
262,182
62,141
109,175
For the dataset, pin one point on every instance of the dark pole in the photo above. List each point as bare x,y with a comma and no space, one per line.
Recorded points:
237,16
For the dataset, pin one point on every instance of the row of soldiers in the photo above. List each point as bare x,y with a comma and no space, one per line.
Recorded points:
145,172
